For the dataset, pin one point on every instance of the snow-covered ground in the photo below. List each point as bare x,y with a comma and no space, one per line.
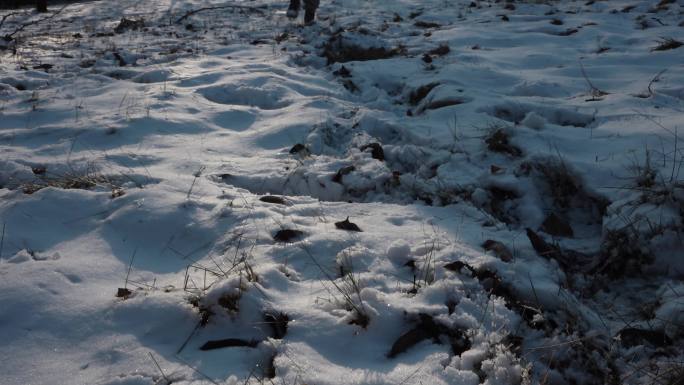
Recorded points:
181,194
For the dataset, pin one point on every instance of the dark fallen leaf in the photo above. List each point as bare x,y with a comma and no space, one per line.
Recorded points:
407,341
420,93
299,149
337,178
45,67
278,322
273,199
542,248
287,235
568,32
667,44
437,104
494,169
123,293
39,170
342,72
456,266
630,337
229,343
346,225
427,328
499,249
557,226
426,24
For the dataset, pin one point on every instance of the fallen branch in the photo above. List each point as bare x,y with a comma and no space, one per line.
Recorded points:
10,36
7,16
258,10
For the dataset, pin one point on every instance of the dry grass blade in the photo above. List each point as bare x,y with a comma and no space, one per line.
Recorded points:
349,289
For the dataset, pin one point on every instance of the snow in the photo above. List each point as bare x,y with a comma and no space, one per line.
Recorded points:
180,183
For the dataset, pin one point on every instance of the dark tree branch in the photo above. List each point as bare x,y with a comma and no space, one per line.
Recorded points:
7,16
10,36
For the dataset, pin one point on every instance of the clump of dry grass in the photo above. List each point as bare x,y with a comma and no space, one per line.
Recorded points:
84,179
623,254
348,286
498,140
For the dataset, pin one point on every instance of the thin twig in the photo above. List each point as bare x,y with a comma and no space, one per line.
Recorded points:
534,291
347,296
130,265
595,92
181,359
159,367
674,157
196,175
2,239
